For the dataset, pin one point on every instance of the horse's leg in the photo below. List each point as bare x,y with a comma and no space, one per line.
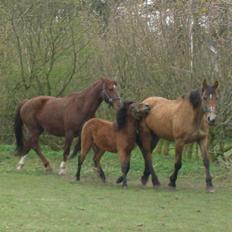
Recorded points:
68,141
37,149
21,162
147,141
97,157
204,152
178,163
76,149
125,166
26,148
85,147
121,178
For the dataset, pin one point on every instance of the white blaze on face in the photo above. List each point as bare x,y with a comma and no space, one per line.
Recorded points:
114,86
212,113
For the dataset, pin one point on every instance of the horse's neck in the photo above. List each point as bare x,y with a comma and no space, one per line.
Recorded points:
94,96
91,97
131,125
199,115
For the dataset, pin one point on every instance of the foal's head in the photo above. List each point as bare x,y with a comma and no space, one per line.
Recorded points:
209,100
132,110
110,93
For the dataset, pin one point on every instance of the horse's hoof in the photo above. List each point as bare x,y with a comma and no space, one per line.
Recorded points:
62,172
103,180
172,186
156,186
210,189
124,186
144,180
119,180
48,169
19,167
155,182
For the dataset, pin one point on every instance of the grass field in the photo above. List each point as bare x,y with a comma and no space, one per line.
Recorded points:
31,200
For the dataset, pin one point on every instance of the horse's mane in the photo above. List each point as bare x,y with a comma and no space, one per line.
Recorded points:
121,115
92,86
195,98
87,89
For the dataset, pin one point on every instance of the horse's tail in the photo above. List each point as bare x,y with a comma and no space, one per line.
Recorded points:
76,149
18,129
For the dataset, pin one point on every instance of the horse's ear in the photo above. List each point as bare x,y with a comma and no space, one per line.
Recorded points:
204,85
215,84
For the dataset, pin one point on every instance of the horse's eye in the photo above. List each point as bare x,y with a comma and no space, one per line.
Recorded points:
205,98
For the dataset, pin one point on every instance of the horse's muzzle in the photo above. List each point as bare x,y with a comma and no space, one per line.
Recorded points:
211,120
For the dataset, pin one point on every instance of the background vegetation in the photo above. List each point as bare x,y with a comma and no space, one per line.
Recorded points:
165,48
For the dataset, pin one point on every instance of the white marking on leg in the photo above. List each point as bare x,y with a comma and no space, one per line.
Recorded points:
62,168
62,164
21,162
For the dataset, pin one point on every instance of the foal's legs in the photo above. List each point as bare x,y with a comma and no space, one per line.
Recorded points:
85,147
178,163
68,141
204,152
96,159
147,142
125,166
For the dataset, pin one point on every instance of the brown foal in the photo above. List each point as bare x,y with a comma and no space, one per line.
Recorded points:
104,135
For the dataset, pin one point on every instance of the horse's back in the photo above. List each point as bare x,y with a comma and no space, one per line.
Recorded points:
33,105
101,132
96,124
162,115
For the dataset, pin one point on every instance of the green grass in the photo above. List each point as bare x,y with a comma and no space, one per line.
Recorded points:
31,200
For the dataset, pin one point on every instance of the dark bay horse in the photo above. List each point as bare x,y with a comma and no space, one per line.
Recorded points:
60,116
184,120
119,137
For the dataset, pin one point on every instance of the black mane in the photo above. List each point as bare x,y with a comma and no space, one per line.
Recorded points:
121,115
195,98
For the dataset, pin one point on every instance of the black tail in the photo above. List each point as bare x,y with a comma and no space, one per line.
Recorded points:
76,149
18,130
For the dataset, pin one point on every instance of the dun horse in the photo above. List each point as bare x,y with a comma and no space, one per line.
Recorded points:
103,136
60,116
184,120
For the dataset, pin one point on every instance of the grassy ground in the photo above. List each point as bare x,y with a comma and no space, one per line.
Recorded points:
32,200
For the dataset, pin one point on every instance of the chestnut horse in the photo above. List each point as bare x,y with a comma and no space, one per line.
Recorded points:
184,121
104,135
60,116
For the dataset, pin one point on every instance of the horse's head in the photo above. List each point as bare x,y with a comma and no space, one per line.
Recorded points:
139,110
209,101
110,93
130,108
